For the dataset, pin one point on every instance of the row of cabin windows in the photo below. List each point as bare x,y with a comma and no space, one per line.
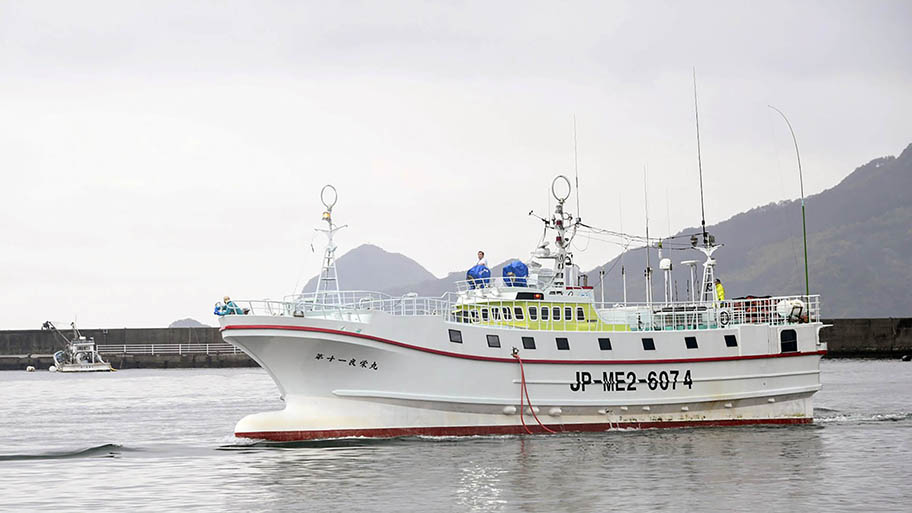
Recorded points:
788,340
507,314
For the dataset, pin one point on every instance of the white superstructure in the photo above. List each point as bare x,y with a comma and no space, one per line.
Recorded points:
532,353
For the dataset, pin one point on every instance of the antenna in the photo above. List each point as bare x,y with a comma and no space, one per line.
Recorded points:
623,271
576,169
648,263
699,161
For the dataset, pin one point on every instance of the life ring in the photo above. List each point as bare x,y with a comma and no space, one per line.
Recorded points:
724,318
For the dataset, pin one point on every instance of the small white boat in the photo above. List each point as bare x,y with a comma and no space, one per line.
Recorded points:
79,355
528,353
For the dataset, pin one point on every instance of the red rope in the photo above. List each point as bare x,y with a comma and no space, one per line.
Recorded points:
525,390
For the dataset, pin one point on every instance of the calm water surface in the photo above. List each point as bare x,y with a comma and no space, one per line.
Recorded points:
153,440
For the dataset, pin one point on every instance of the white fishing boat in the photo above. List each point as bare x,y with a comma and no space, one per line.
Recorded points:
79,353
527,353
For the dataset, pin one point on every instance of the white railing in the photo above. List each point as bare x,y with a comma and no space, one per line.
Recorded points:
178,349
482,306
774,311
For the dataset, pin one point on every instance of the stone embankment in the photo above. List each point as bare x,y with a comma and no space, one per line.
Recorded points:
204,347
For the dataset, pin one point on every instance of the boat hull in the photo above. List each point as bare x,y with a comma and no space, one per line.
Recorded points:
379,379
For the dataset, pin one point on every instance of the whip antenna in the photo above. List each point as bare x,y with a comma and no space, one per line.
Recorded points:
699,161
576,169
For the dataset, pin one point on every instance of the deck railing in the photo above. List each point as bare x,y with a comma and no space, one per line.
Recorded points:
482,307
178,349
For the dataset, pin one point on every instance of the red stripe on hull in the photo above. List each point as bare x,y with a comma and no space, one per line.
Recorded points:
294,436
511,360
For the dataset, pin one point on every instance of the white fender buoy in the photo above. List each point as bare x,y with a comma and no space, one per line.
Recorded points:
555,412
30,368
52,368
509,410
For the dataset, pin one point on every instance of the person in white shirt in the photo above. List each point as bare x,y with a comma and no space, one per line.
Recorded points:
481,259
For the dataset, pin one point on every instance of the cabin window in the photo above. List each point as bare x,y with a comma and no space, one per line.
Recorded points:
495,313
690,342
528,342
484,314
580,314
568,313
493,341
518,313
456,336
731,341
555,313
533,313
506,313
788,340
563,344
474,315
649,344
605,344
544,313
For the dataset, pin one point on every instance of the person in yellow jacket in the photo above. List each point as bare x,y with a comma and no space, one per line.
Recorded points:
720,290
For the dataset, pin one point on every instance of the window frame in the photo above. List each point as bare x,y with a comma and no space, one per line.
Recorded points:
793,340
556,313
604,341
731,340
455,336
518,313
580,314
533,313
687,340
563,343
528,343
648,343
495,339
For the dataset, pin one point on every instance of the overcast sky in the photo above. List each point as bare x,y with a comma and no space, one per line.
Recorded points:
156,156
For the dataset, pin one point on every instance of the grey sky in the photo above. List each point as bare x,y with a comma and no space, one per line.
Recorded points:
156,156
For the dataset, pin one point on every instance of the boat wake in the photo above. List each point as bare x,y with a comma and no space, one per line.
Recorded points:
862,418
100,451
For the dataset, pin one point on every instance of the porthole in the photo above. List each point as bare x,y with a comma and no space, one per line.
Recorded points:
731,341
605,344
456,336
493,341
649,344
563,344
690,342
528,343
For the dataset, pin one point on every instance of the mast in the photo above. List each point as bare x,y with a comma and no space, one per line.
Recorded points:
328,284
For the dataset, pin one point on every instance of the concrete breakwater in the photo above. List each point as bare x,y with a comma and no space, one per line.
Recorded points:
203,347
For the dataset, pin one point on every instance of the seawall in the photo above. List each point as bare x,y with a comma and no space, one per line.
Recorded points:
846,338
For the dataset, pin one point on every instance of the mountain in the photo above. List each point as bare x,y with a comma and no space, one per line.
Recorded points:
859,233
369,267
188,323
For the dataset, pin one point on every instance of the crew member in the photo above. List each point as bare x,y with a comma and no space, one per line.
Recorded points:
482,261
231,308
720,290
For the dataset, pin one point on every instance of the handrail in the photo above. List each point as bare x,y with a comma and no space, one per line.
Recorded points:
358,306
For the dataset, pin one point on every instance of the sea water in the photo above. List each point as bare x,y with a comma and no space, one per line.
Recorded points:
157,440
